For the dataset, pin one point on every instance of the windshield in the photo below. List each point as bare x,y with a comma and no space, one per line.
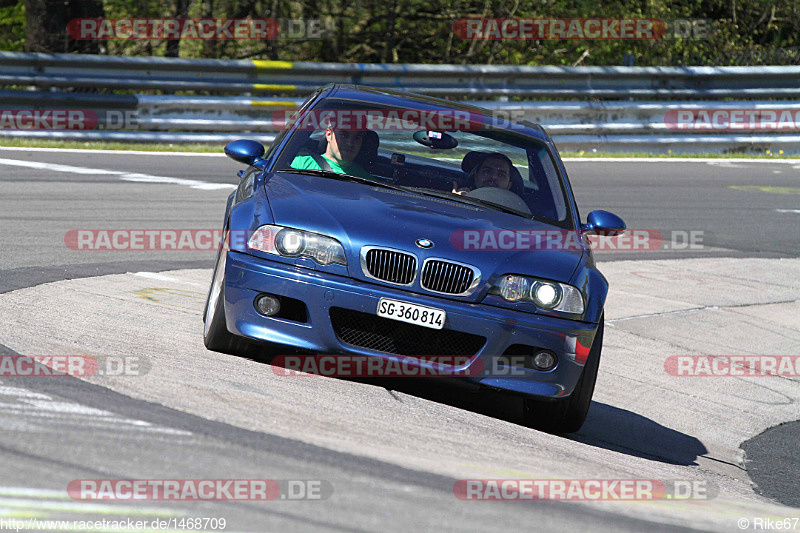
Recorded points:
493,168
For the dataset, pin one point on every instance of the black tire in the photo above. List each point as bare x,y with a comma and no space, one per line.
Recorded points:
216,336
568,414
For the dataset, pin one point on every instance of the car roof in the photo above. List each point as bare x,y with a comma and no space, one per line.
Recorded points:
400,99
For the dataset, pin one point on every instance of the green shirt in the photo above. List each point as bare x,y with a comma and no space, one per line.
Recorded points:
307,162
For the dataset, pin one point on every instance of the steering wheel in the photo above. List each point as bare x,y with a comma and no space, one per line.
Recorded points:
502,197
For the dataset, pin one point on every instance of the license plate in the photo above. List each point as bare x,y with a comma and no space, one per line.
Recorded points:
411,313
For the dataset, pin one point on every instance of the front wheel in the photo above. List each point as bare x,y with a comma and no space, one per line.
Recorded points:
568,414
216,336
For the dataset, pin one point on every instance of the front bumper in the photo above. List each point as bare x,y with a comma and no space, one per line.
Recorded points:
246,276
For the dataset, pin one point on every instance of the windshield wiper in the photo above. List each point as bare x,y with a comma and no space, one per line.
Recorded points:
469,200
414,190
342,177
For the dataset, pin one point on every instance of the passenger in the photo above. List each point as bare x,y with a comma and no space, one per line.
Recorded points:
342,149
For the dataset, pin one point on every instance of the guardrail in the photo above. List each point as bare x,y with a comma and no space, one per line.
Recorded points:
44,71
621,124
560,118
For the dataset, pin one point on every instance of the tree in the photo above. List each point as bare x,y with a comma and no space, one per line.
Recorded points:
46,25
12,25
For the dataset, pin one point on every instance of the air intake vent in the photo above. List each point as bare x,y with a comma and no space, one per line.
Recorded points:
391,266
366,330
447,277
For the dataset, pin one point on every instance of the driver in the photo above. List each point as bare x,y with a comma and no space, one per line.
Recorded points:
340,154
493,171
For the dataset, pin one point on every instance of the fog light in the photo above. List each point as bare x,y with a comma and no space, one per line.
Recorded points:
544,360
267,305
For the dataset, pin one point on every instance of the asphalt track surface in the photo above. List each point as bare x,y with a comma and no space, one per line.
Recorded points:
392,451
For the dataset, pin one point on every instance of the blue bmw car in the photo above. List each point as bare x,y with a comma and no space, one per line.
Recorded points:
383,224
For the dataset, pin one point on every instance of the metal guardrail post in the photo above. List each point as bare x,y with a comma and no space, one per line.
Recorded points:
624,123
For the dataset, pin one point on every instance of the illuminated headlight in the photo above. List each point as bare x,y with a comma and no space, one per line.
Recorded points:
542,293
289,242
545,294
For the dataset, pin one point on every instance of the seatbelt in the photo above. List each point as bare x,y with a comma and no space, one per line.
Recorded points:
323,164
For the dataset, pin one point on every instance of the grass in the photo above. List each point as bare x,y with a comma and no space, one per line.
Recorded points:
217,148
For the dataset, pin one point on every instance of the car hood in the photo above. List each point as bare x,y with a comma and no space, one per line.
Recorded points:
361,215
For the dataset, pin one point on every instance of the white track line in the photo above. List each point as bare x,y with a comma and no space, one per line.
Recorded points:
20,402
124,176
161,277
113,152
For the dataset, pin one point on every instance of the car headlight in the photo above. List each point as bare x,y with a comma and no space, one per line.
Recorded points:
289,242
542,293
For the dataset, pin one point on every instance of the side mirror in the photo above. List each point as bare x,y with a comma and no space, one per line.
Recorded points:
245,151
603,223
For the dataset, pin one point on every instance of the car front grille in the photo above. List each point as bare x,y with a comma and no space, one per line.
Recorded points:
385,335
389,265
446,277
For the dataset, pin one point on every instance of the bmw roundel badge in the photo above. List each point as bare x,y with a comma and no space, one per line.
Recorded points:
424,243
